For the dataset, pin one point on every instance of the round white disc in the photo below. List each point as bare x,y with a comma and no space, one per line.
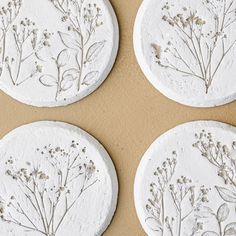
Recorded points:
186,182
186,49
55,180
54,53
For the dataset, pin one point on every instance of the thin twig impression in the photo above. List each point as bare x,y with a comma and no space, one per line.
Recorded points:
200,47
190,202
73,63
48,198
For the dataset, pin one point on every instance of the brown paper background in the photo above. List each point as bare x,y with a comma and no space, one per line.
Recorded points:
126,114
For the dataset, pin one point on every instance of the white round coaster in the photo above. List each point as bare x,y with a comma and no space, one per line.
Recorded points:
186,49
56,180
55,52
186,182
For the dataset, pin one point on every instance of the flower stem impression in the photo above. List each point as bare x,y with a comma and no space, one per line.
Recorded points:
206,43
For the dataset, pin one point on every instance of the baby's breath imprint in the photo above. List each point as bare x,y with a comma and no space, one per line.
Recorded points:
180,195
48,197
223,158
206,43
8,15
26,35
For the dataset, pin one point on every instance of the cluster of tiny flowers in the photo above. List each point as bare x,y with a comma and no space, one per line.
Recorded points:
24,174
218,154
183,20
27,28
11,9
91,15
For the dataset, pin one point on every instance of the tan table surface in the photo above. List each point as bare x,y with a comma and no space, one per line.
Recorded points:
126,114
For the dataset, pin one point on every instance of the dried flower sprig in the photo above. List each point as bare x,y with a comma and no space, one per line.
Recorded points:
49,199
8,15
26,33
184,190
183,195
156,205
219,155
200,42
223,159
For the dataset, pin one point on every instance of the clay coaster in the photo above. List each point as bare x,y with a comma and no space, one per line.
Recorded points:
55,180
186,49
186,182
55,52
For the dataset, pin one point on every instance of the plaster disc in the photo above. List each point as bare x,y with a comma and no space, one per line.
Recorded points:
186,182
55,180
186,49
54,53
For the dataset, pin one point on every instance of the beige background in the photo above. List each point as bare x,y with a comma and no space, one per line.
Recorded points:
126,114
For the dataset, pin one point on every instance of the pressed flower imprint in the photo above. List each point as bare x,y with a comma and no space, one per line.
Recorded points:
192,190
64,57
187,199
42,195
186,49
206,43
82,21
223,159
56,188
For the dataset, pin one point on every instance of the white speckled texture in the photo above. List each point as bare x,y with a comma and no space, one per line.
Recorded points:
60,53
203,152
41,153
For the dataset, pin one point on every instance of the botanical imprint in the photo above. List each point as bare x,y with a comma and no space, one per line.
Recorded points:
26,40
191,203
181,195
45,197
82,21
223,158
8,15
73,65
200,45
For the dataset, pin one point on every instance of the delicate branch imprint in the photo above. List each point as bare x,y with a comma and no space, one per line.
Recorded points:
206,44
47,204
65,78
182,195
82,21
62,60
191,192
224,160
8,15
23,34
191,203
218,155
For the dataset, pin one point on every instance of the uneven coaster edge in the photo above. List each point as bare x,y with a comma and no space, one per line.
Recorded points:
109,165
150,77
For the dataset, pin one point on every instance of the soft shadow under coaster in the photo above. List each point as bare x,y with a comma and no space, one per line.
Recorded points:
55,180
186,182
55,52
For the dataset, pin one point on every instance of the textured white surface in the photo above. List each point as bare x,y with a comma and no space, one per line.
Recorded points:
156,40
208,201
35,159
69,51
